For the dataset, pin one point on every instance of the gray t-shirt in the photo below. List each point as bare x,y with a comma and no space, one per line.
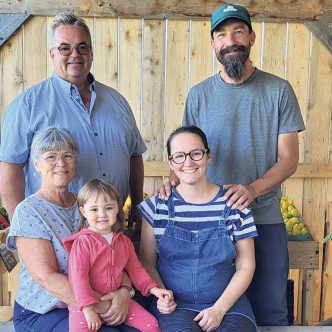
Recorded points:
37,218
242,123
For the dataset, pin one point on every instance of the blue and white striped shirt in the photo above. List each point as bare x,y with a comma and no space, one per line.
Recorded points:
195,217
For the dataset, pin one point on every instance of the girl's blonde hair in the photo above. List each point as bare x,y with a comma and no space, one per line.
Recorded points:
96,187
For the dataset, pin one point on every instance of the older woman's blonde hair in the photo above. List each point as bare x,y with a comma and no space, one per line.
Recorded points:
94,188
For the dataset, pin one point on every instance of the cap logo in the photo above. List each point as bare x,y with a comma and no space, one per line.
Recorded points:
230,9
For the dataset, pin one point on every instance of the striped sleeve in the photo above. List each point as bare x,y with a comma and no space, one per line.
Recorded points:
148,209
243,224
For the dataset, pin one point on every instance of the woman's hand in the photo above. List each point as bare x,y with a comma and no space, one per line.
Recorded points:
209,319
117,313
102,307
92,318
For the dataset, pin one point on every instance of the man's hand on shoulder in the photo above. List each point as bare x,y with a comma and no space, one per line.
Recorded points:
165,191
239,196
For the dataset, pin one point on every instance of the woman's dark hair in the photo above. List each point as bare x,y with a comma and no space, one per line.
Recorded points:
187,130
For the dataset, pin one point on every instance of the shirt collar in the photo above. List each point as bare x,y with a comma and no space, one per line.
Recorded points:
68,87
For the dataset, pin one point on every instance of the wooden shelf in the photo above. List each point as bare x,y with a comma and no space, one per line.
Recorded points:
305,170
303,254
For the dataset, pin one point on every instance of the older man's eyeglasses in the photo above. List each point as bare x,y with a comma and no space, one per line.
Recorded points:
195,155
67,49
53,159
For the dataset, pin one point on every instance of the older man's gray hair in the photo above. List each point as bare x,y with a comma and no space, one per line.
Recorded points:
52,139
67,18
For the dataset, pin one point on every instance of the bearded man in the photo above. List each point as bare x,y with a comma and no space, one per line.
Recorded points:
251,119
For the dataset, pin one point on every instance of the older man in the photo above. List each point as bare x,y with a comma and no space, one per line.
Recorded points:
110,145
100,119
251,119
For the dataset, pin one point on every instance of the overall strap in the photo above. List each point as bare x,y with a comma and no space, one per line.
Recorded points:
225,214
171,210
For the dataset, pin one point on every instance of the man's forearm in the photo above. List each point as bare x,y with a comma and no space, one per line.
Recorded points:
282,170
12,185
136,179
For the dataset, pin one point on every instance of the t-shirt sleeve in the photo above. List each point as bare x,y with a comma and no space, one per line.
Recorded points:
190,109
148,209
290,117
28,223
243,224
15,144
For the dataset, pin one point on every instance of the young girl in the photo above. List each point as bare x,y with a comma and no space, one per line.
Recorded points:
99,254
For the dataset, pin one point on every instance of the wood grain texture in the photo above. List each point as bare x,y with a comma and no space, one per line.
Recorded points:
274,49
105,51
130,64
316,150
35,52
176,72
153,95
267,10
201,54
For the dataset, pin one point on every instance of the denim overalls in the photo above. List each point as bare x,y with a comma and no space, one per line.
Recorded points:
197,267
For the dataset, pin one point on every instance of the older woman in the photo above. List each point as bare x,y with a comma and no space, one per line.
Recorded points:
39,225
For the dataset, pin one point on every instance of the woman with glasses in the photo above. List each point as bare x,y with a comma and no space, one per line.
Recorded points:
39,225
196,246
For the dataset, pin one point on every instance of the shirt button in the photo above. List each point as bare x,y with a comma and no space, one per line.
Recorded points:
101,153
104,174
96,134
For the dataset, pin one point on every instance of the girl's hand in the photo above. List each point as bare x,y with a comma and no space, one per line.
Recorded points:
162,294
165,303
92,318
209,319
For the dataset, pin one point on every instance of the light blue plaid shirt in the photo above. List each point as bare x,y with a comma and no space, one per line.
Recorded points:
106,134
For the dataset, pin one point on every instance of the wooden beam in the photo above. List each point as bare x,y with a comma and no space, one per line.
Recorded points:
9,23
312,170
267,10
322,30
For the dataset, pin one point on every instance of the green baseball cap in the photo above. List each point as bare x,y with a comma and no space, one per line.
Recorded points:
229,11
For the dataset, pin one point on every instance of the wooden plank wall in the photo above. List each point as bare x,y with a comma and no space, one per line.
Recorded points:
153,63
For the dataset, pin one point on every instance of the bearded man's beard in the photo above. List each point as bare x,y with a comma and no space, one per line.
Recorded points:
234,64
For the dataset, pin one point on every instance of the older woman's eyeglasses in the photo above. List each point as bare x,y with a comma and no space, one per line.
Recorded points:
195,155
67,49
53,159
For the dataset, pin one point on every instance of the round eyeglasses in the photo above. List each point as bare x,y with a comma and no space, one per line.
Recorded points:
67,49
53,159
195,155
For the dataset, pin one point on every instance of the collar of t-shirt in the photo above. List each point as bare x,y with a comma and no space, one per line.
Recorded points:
108,237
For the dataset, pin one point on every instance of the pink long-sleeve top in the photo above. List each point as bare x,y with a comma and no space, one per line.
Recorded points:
94,264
